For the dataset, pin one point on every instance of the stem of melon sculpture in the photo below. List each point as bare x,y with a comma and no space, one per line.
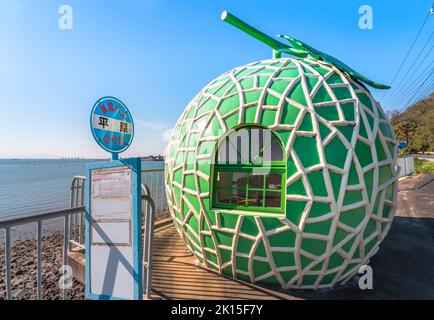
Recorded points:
277,54
277,46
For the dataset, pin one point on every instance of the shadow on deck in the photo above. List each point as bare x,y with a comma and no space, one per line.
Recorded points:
402,269
175,275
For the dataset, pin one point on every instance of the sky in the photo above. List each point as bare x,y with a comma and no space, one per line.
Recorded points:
155,55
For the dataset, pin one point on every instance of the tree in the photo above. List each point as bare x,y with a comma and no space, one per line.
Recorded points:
405,130
416,125
393,116
422,142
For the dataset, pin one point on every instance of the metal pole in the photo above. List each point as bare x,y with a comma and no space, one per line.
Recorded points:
151,185
163,192
76,192
72,192
76,216
73,197
157,195
38,260
145,192
65,253
8,263
150,237
81,235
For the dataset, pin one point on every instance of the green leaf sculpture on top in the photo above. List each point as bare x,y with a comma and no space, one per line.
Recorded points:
298,49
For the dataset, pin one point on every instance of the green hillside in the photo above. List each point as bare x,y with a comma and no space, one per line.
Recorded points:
416,125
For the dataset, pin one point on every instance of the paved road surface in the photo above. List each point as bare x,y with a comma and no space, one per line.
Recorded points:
429,157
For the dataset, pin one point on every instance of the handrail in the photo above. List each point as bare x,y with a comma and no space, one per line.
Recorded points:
148,239
79,177
18,219
76,226
8,222
153,170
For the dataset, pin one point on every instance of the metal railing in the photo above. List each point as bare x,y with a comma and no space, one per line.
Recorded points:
74,228
8,222
148,240
154,179
406,164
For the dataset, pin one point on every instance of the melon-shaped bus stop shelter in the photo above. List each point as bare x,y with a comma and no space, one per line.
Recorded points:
313,211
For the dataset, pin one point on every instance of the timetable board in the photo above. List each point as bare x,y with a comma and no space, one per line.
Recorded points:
113,233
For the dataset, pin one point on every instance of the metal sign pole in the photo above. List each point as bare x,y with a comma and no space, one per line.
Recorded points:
114,255
147,245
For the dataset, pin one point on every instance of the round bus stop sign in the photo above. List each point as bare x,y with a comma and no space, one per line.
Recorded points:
112,125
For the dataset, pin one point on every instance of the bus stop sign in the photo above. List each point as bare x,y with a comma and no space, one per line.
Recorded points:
112,125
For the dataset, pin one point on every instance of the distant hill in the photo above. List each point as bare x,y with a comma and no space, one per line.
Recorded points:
416,125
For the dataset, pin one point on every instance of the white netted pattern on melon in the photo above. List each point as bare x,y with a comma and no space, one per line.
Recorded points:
206,120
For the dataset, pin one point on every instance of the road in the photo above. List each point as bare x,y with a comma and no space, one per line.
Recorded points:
403,268
429,157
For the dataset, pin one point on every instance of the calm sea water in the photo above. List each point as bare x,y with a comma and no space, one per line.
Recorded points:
37,186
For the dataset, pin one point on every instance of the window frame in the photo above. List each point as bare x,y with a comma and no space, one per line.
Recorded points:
268,168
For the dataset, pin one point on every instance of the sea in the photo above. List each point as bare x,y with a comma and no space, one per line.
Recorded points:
35,186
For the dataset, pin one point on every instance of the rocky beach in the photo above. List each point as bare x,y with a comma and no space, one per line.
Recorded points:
23,263
23,269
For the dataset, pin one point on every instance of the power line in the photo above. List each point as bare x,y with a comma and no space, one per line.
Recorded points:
396,89
424,92
423,83
427,92
411,47
410,80
418,98
405,92
408,91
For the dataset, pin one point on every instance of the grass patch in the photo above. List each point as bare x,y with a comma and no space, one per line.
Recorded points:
423,166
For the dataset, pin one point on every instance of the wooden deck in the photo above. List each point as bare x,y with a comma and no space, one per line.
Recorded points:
411,235
175,275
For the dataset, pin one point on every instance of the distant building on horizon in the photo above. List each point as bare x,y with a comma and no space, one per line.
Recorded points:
153,158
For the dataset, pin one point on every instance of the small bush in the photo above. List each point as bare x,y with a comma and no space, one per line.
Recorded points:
423,166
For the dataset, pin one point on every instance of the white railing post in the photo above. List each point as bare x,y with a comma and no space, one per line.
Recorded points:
8,263
38,260
65,253
148,244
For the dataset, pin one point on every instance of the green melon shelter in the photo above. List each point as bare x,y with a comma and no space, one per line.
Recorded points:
314,211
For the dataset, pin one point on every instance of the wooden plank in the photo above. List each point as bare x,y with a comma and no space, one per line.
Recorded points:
175,275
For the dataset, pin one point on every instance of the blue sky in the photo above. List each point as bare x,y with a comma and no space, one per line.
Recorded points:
155,55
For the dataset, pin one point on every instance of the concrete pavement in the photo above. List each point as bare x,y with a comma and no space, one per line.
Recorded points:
403,268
